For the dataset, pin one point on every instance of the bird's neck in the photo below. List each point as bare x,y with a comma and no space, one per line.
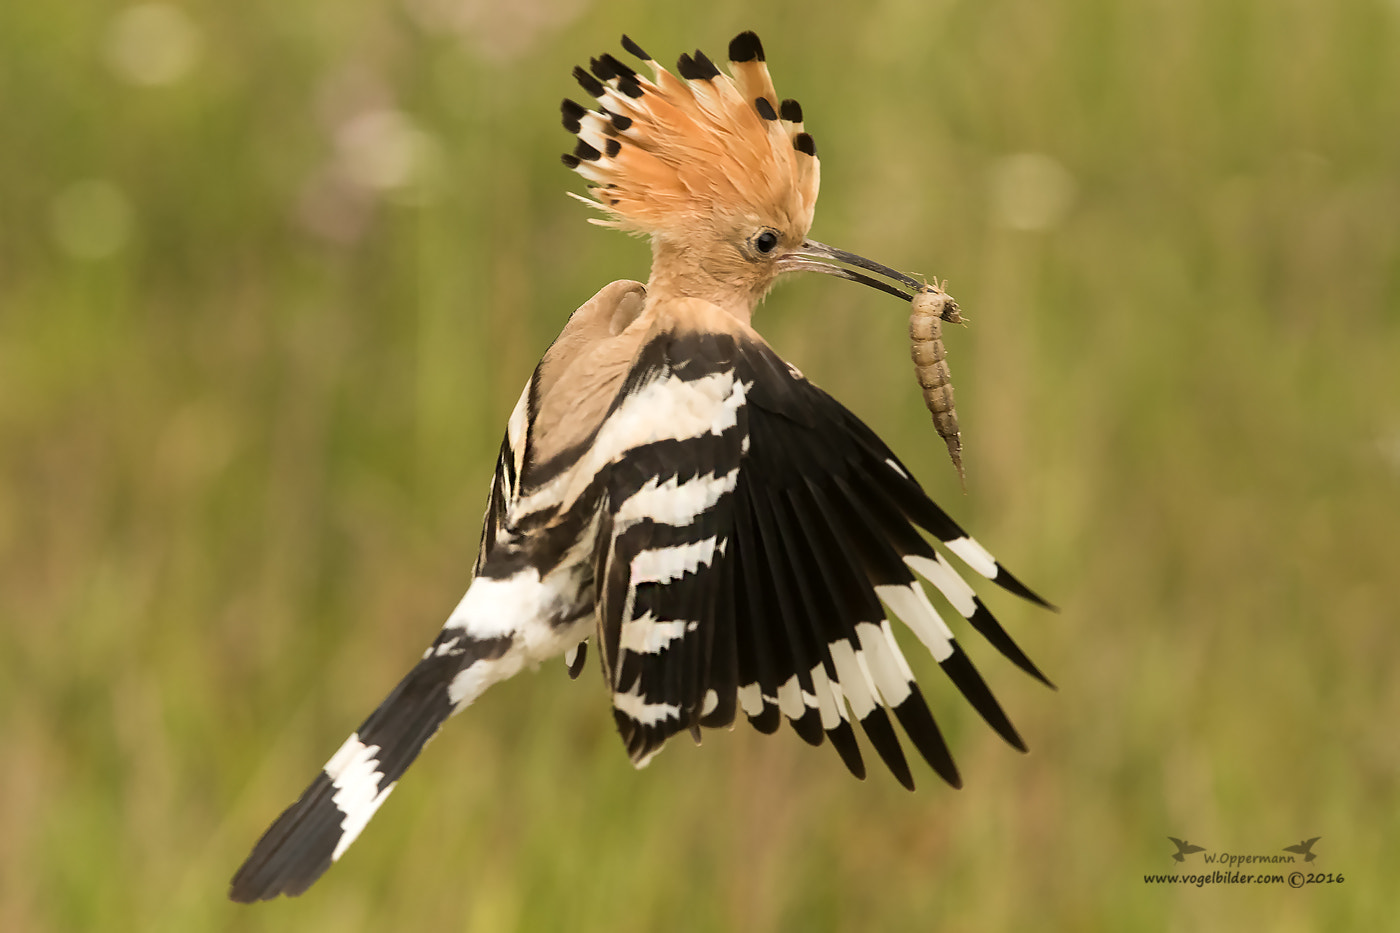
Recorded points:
681,271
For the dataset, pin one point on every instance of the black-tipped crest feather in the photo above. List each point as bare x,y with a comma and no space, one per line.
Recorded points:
745,47
634,49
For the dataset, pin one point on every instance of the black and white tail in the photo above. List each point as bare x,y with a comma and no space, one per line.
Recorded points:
485,641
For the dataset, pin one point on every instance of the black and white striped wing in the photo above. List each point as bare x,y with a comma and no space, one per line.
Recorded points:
749,565
662,564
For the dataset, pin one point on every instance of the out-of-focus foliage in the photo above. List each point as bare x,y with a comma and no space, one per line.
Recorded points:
272,274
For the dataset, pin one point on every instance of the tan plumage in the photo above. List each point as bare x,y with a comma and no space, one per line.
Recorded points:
581,371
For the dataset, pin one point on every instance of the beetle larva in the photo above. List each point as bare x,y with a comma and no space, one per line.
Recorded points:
930,307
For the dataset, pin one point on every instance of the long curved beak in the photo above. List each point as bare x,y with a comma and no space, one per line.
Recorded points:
812,256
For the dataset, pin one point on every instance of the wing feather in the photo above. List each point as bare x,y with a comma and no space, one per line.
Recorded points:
785,532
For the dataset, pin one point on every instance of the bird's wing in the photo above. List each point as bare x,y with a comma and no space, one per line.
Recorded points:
745,554
505,481
1179,843
664,536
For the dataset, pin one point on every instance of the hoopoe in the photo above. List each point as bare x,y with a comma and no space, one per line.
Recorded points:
671,487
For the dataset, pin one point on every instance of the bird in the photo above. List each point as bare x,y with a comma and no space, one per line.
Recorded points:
726,533
1184,848
1304,848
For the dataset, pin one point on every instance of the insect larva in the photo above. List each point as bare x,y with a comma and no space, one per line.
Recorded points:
930,307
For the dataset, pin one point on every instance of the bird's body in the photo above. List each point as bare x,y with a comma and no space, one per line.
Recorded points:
724,530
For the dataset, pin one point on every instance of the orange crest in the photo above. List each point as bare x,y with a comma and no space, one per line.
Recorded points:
667,154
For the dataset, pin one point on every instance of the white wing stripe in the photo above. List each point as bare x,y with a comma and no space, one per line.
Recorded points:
885,662
674,502
665,409
664,564
633,704
942,575
855,683
517,435
975,555
910,603
751,699
828,699
647,635
790,699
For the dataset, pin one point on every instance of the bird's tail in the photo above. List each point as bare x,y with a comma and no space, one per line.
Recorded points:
316,830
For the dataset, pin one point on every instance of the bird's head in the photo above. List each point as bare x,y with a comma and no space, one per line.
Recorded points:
715,168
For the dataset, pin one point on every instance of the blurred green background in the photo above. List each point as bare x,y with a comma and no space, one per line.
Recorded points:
272,275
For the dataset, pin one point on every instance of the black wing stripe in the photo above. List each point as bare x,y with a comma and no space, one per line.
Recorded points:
843,739
970,683
914,715
884,470
990,629
609,586
1006,581
502,485
864,523
756,623
888,517
613,584
796,694
716,460
722,677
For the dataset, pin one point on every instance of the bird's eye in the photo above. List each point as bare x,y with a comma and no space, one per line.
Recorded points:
766,242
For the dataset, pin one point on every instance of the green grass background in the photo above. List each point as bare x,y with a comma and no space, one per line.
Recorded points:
244,451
